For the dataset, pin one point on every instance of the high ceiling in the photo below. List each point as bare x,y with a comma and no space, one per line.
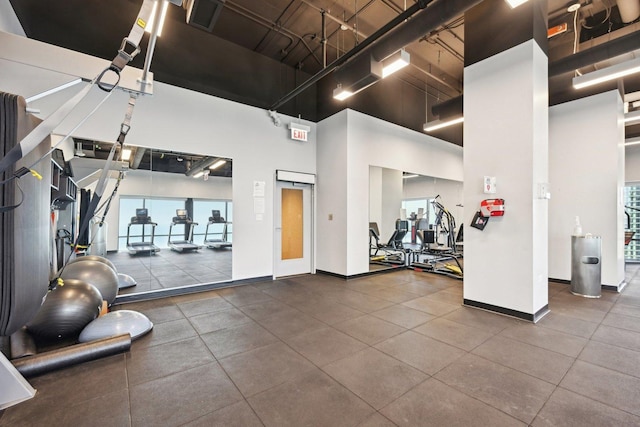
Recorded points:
260,50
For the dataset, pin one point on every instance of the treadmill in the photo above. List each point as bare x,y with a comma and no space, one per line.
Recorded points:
222,242
187,245
143,246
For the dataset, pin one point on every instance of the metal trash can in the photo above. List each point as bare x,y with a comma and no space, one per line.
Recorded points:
586,266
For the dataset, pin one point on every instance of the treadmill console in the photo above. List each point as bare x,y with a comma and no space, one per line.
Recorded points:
181,217
142,216
215,217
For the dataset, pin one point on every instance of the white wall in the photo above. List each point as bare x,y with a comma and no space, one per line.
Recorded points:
182,120
8,20
586,170
506,136
368,141
331,190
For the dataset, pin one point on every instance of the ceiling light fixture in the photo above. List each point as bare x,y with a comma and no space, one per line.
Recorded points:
632,141
217,164
395,62
198,174
411,175
607,74
515,3
164,5
439,124
341,93
632,118
126,154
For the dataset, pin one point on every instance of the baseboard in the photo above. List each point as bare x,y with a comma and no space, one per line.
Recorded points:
368,273
507,311
185,290
609,288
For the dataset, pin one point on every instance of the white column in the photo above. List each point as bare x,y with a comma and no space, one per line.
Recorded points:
506,136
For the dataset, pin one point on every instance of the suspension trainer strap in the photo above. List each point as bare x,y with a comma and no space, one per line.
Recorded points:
44,129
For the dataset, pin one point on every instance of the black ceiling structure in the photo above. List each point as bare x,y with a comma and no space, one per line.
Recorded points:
258,51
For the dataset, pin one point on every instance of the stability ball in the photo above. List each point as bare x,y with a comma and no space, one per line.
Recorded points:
67,310
94,258
96,273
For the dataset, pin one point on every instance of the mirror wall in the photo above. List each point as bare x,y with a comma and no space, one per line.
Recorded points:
395,194
168,186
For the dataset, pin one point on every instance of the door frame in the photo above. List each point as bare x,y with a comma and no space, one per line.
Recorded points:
295,178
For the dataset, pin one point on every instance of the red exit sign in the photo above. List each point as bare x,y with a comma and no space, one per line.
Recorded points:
299,134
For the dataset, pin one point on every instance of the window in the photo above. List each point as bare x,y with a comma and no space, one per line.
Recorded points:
632,202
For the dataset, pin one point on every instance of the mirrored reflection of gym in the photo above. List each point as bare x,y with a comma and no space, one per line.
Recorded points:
412,223
166,221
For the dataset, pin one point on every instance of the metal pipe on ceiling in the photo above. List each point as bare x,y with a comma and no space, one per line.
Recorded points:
353,52
277,20
602,52
330,16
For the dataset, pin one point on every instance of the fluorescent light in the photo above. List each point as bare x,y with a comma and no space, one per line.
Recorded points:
217,164
632,141
341,94
515,3
163,14
606,74
632,118
409,176
439,124
198,174
395,62
126,154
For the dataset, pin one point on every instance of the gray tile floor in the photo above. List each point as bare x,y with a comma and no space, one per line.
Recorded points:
392,349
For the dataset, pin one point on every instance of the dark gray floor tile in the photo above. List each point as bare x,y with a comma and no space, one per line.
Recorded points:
612,357
419,351
453,333
148,363
444,296
617,337
162,333
325,345
481,319
243,295
182,397
267,308
375,377
565,408
215,321
310,400
362,302
433,307
629,299
203,306
604,385
68,387
568,325
112,410
329,312
627,310
535,361
369,329
260,369
621,321
290,323
394,295
603,303
377,420
568,345
434,404
226,342
237,415
513,392
572,309
403,316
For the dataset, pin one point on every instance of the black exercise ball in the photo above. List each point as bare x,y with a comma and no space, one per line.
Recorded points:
94,258
67,310
96,273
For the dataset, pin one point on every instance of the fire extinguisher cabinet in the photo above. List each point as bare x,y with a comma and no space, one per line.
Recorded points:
586,266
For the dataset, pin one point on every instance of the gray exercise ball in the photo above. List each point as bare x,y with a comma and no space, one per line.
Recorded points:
116,323
95,258
67,310
98,274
